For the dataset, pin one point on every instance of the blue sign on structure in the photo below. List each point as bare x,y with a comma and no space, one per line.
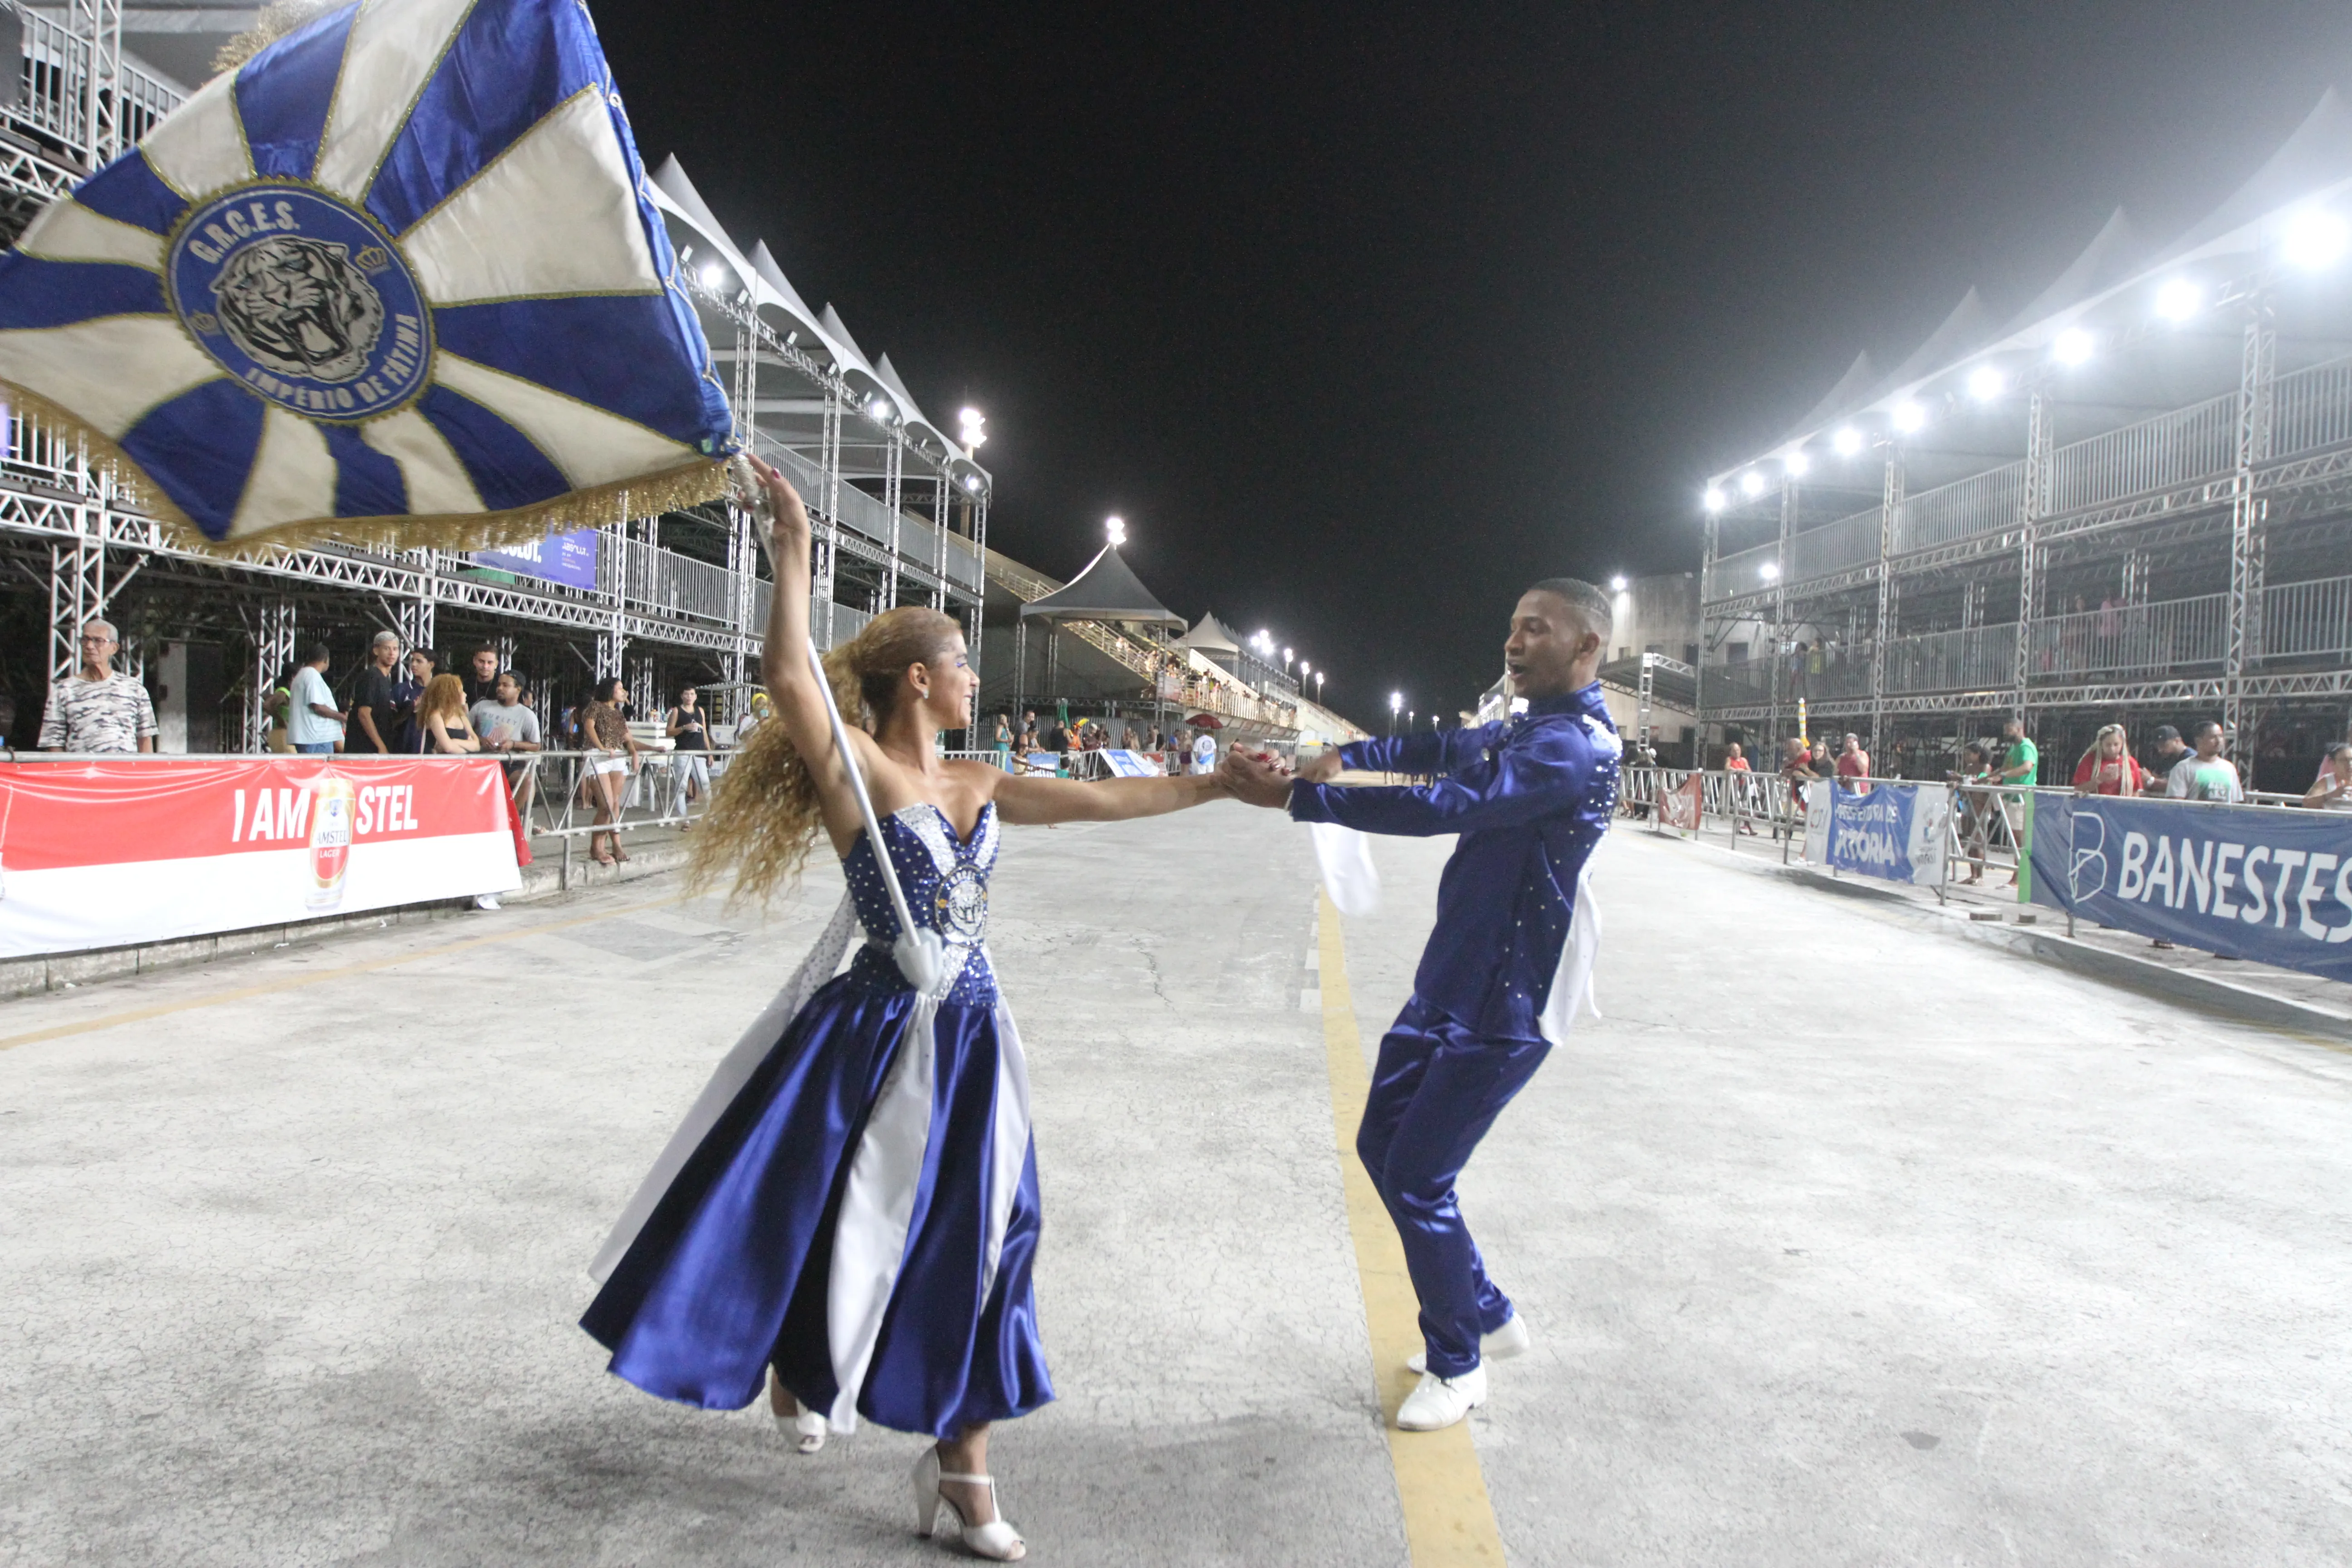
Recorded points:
566,558
2271,886
1895,831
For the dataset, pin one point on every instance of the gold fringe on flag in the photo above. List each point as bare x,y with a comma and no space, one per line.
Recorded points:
650,494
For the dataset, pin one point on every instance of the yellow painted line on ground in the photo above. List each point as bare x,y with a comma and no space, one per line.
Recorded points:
296,982
1448,1519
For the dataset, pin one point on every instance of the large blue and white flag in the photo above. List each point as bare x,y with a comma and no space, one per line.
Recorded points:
395,278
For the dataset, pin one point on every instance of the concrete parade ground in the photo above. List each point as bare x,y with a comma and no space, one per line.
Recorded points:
1843,1242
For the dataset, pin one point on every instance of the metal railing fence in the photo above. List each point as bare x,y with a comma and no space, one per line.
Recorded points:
2186,444
1984,504
1974,658
1848,543
2164,635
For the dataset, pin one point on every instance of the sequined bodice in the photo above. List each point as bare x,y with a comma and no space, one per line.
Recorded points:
945,879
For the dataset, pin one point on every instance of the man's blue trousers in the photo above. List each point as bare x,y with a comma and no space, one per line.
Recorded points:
1435,1090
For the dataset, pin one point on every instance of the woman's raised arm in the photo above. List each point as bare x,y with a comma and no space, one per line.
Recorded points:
794,695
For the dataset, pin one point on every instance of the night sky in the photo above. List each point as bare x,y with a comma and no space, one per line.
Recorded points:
1364,316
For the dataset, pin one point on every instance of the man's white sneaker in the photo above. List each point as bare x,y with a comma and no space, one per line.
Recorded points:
485,901
1439,1402
1512,1339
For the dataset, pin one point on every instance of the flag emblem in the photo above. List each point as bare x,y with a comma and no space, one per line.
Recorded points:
396,279
302,299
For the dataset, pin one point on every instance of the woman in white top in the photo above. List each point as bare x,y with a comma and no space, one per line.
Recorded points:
2332,791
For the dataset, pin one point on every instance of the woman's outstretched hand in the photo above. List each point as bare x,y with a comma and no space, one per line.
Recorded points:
1256,778
791,524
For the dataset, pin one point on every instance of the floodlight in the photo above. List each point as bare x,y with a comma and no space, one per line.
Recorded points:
1116,528
1752,483
1617,584
1846,442
2317,237
1769,571
712,274
975,435
1798,463
1985,384
880,407
1287,655
1907,415
2179,299
971,483
1396,701
1713,500
2072,346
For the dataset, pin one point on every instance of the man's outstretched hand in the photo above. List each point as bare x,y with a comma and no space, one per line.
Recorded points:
1322,767
1256,778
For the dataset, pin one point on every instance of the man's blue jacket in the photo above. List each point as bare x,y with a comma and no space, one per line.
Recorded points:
1530,799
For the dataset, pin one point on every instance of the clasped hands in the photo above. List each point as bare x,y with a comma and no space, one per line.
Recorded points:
1260,778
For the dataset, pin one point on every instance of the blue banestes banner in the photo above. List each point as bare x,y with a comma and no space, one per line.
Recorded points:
2267,885
1895,831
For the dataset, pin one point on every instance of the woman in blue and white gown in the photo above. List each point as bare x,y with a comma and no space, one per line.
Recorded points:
853,1202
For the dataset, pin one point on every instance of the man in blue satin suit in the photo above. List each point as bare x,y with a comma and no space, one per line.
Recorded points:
1506,967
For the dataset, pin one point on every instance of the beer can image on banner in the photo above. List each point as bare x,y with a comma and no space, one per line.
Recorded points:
333,803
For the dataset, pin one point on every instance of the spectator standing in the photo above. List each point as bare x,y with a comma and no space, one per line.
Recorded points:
1204,754
1003,742
422,665
1853,764
482,686
375,726
605,736
690,760
313,723
95,709
2109,768
2021,762
1974,806
280,698
2169,749
753,717
1743,787
2332,791
508,728
2206,774
443,721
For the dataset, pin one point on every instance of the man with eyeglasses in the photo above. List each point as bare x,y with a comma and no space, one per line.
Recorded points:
98,709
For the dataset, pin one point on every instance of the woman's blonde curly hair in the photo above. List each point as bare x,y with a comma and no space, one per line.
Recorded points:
764,816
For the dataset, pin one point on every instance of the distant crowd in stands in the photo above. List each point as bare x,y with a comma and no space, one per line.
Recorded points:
1174,751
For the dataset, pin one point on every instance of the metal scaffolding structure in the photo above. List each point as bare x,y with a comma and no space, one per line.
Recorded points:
2132,502
680,598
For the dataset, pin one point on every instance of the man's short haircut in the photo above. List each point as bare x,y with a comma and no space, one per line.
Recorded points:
1588,603
386,637
315,652
2205,724
485,648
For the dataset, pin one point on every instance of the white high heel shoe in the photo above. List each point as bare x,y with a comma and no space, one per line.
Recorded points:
996,1540
808,1426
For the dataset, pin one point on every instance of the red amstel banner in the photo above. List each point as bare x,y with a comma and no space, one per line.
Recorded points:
104,853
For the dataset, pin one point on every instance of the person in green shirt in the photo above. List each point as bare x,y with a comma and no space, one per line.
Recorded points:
2208,774
2021,764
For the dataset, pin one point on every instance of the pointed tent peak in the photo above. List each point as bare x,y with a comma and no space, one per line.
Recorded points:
1848,393
763,262
887,376
1210,635
830,319
1968,327
671,180
2317,154
1107,590
2106,261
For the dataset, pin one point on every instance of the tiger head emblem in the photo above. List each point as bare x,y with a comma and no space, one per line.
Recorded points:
300,307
